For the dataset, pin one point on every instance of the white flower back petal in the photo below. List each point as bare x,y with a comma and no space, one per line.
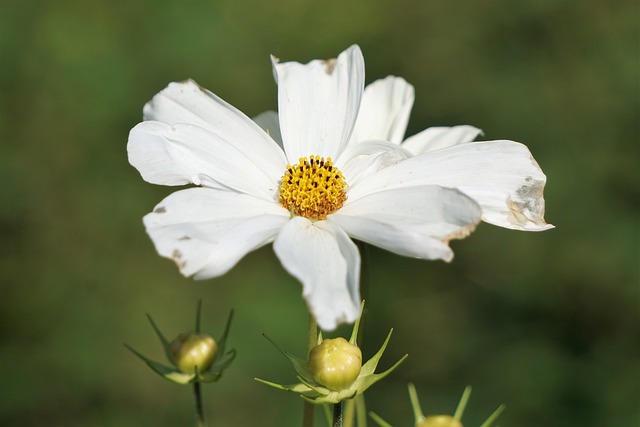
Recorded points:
384,110
361,160
327,262
410,221
183,153
268,121
187,102
435,138
207,231
318,103
502,176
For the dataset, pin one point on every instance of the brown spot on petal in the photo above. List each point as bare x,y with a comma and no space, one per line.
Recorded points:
185,238
516,216
330,65
177,258
527,205
160,209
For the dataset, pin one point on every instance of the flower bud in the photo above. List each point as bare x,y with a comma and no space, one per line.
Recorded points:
439,421
191,349
335,363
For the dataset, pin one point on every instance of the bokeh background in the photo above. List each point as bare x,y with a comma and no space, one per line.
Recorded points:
546,323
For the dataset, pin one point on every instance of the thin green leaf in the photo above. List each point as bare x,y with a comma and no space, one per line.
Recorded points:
382,423
163,340
298,364
296,388
222,342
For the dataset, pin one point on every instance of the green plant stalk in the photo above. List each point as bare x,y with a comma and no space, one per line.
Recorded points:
200,420
348,413
361,411
350,405
308,408
337,414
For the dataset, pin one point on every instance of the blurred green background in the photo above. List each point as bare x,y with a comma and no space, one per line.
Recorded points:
546,323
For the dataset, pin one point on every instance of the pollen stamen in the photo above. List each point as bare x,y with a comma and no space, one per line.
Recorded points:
313,189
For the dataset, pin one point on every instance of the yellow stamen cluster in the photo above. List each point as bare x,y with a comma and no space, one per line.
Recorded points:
313,189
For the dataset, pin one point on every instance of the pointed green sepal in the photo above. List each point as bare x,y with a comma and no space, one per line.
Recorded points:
371,365
366,381
299,364
172,374
415,404
295,388
494,416
161,337
354,333
463,403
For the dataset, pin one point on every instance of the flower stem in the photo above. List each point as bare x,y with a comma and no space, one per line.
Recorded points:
337,414
200,421
350,406
348,413
307,410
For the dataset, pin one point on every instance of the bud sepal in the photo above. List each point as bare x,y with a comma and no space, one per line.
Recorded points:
439,420
311,390
195,347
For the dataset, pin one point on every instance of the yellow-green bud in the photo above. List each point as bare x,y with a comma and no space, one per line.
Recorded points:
335,363
191,349
440,421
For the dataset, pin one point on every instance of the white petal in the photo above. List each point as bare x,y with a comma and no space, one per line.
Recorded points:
187,102
411,221
268,121
384,110
207,231
327,262
501,176
435,138
183,154
318,103
364,158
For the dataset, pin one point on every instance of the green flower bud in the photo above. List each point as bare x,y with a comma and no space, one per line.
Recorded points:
191,349
439,421
335,363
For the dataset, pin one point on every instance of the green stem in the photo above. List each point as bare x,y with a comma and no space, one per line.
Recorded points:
350,406
308,408
363,248
200,421
337,414
361,411
348,413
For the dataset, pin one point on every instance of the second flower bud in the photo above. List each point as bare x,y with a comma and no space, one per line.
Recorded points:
335,363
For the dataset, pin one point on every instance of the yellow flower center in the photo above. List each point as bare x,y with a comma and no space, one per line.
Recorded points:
313,188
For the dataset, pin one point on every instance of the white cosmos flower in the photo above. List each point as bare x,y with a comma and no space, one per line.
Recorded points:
309,196
501,176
